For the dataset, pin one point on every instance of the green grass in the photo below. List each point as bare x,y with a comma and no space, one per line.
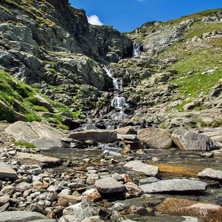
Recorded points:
11,88
27,145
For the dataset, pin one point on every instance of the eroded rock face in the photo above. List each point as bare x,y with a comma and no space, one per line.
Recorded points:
108,38
188,140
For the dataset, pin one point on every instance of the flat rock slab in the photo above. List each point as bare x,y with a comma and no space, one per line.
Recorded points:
211,173
100,136
46,161
188,140
39,134
140,167
183,207
174,185
126,130
7,172
109,185
126,137
155,138
20,216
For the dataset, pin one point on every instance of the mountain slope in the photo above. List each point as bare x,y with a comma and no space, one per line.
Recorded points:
50,45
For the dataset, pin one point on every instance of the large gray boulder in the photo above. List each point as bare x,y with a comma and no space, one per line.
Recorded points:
102,136
155,138
7,172
174,185
140,167
188,140
39,134
109,185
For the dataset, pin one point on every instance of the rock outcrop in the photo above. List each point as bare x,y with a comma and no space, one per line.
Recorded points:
39,134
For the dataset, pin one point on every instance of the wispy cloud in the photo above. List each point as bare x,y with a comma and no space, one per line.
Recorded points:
94,20
141,0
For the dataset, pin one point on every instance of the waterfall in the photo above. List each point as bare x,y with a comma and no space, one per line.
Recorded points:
136,49
118,102
115,81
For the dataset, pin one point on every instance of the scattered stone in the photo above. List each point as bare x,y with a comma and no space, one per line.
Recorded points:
92,219
7,172
77,212
118,177
126,130
139,166
140,210
67,200
109,185
4,200
127,149
21,187
92,178
132,190
7,190
174,185
155,138
92,195
211,173
188,140
207,155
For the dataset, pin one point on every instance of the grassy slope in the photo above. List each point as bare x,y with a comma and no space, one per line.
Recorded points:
196,57
12,89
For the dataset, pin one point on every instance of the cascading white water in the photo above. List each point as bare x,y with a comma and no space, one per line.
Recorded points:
115,82
136,49
118,102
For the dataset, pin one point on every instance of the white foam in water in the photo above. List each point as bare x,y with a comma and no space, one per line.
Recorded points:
136,49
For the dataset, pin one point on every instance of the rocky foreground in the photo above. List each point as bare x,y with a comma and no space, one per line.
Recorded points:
128,183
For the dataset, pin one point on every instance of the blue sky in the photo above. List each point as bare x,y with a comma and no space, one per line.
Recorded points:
126,15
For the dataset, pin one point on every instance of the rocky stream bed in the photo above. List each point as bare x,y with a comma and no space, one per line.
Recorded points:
119,180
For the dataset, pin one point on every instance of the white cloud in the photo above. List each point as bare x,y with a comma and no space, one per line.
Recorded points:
94,20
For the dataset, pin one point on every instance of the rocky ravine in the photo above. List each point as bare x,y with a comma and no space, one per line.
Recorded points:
170,172
51,44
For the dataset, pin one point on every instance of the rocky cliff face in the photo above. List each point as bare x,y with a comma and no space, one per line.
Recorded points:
49,43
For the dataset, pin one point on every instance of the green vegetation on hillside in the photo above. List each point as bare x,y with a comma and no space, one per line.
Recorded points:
195,66
16,96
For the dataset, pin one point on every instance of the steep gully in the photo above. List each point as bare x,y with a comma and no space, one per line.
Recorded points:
118,102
